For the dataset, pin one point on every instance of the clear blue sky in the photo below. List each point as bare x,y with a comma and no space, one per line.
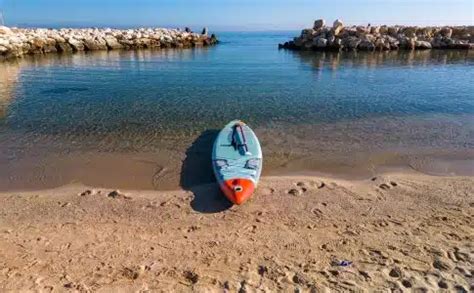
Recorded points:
234,14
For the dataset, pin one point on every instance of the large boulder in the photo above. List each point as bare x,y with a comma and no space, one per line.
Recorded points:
337,27
374,30
383,30
423,45
366,45
361,31
49,46
127,44
96,43
112,43
4,42
446,32
393,42
318,24
4,49
337,44
459,31
58,39
5,30
410,31
308,45
63,47
440,42
37,42
382,44
307,34
426,32
369,37
393,31
411,44
298,42
77,45
331,39
142,43
320,43
351,43
36,45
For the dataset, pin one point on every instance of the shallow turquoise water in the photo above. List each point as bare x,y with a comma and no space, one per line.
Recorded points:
149,100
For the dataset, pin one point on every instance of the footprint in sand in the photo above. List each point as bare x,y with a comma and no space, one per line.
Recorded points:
87,192
442,265
191,276
406,284
64,204
317,212
387,186
193,228
460,255
295,192
117,194
442,284
301,187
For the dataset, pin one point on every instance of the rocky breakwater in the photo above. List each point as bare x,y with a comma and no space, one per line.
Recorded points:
382,38
16,42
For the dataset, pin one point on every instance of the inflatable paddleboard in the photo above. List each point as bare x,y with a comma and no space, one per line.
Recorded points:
237,161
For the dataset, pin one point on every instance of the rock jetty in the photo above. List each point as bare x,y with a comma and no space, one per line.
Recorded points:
382,38
16,42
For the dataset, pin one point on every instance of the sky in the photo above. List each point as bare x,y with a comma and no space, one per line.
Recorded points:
234,14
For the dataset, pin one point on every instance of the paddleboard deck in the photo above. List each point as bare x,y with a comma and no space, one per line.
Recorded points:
237,161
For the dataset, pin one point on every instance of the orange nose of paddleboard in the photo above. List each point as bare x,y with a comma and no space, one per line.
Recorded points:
238,190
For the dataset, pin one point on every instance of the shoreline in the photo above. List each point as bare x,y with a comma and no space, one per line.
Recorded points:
172,170
17,42
291,235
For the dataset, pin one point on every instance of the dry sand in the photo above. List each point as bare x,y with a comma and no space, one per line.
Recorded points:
402,233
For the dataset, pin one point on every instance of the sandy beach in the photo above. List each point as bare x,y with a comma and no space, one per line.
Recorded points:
397,232
343,131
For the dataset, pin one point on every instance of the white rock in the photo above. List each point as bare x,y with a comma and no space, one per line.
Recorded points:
423,45
76,44
4,42
112,42
337,23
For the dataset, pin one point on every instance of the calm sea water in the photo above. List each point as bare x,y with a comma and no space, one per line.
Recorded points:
61,115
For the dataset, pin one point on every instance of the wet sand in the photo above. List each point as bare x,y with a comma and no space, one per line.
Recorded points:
397,232
348,150
171,170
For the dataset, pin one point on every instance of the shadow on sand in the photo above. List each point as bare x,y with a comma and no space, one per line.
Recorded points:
197,176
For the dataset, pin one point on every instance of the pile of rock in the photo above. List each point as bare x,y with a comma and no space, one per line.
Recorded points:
16,42
371,38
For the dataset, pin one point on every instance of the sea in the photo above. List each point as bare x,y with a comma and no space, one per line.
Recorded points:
147,119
